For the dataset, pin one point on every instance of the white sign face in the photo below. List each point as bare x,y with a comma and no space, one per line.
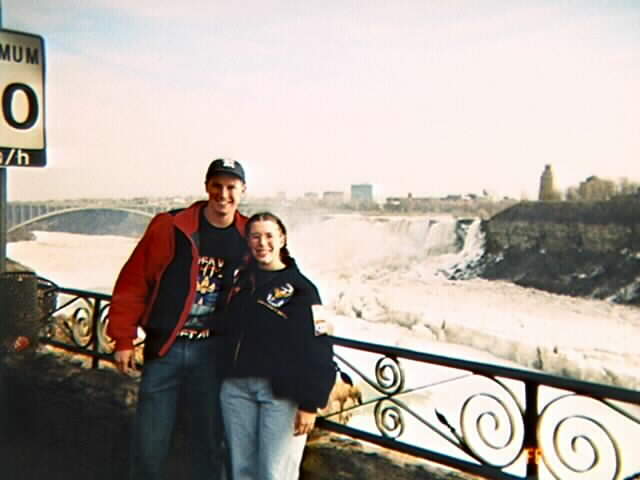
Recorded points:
22,137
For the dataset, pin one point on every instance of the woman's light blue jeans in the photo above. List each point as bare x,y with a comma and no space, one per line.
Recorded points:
259,431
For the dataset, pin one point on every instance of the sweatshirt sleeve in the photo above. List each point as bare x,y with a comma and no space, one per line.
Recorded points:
316,382
136,282
319,381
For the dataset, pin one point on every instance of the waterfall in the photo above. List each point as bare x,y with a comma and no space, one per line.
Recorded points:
360,243
474,241
441,237
428,235
468,259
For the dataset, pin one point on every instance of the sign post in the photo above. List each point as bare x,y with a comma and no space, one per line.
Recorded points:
3,205
22,134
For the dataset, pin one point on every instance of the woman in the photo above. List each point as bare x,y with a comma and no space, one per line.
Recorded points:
277,372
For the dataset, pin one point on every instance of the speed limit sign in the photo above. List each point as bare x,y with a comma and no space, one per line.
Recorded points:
22,136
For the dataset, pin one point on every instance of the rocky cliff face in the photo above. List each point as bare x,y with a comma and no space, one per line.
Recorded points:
597,227
559,237
583,249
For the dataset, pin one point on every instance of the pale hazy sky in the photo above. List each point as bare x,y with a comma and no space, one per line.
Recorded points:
423,96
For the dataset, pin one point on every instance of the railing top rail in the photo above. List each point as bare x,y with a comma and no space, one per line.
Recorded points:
592,389
83,293
541,378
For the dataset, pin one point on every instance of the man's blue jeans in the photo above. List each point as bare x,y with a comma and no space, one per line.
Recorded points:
188,369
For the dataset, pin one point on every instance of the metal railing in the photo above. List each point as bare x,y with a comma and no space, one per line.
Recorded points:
75,321
493,421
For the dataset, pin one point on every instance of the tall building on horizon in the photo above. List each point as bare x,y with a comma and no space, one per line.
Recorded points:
547,185
362,194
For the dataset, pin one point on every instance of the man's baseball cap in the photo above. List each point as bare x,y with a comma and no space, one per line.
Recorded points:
225,166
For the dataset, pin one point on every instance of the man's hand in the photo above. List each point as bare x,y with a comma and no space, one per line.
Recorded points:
305,421
125,361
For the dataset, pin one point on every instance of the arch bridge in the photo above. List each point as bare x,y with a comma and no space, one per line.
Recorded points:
115,215
20,215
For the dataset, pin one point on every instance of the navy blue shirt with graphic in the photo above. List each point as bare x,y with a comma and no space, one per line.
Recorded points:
221,252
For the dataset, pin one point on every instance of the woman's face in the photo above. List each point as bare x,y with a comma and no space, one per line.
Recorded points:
265,242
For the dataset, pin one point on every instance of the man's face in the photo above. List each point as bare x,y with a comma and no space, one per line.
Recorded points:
225,193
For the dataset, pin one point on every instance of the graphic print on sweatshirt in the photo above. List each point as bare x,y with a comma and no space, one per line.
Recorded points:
208,287
280,295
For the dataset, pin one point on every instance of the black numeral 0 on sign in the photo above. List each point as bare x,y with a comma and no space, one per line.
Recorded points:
7,106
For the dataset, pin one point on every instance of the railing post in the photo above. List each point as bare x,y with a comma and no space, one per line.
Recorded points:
95,338
3,205
531,447
19,325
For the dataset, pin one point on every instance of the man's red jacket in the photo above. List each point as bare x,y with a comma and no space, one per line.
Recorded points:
137,285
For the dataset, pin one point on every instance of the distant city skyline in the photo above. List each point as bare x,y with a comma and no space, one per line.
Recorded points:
346,195
429,98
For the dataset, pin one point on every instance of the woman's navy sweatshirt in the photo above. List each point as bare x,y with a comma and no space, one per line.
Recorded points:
271,334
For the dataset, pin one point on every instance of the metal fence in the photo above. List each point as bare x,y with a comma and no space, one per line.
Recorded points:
493,421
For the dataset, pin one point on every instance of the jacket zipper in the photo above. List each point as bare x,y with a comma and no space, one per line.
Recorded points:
236,353
237,350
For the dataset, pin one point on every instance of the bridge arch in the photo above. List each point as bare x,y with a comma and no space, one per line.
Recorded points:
70,211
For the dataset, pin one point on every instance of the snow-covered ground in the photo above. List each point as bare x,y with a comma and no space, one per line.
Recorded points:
381,281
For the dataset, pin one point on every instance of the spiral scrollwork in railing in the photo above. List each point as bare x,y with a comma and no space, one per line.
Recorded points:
389,375
82,324
389,419
105,343
576,442
577,445
492,427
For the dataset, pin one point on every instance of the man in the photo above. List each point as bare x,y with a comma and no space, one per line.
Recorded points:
172,286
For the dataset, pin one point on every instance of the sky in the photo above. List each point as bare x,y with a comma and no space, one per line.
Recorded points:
429,97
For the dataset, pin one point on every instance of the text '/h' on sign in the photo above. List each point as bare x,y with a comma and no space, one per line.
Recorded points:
22,133
15,157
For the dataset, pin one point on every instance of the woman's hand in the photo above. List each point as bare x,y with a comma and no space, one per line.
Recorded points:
322,326
305,421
